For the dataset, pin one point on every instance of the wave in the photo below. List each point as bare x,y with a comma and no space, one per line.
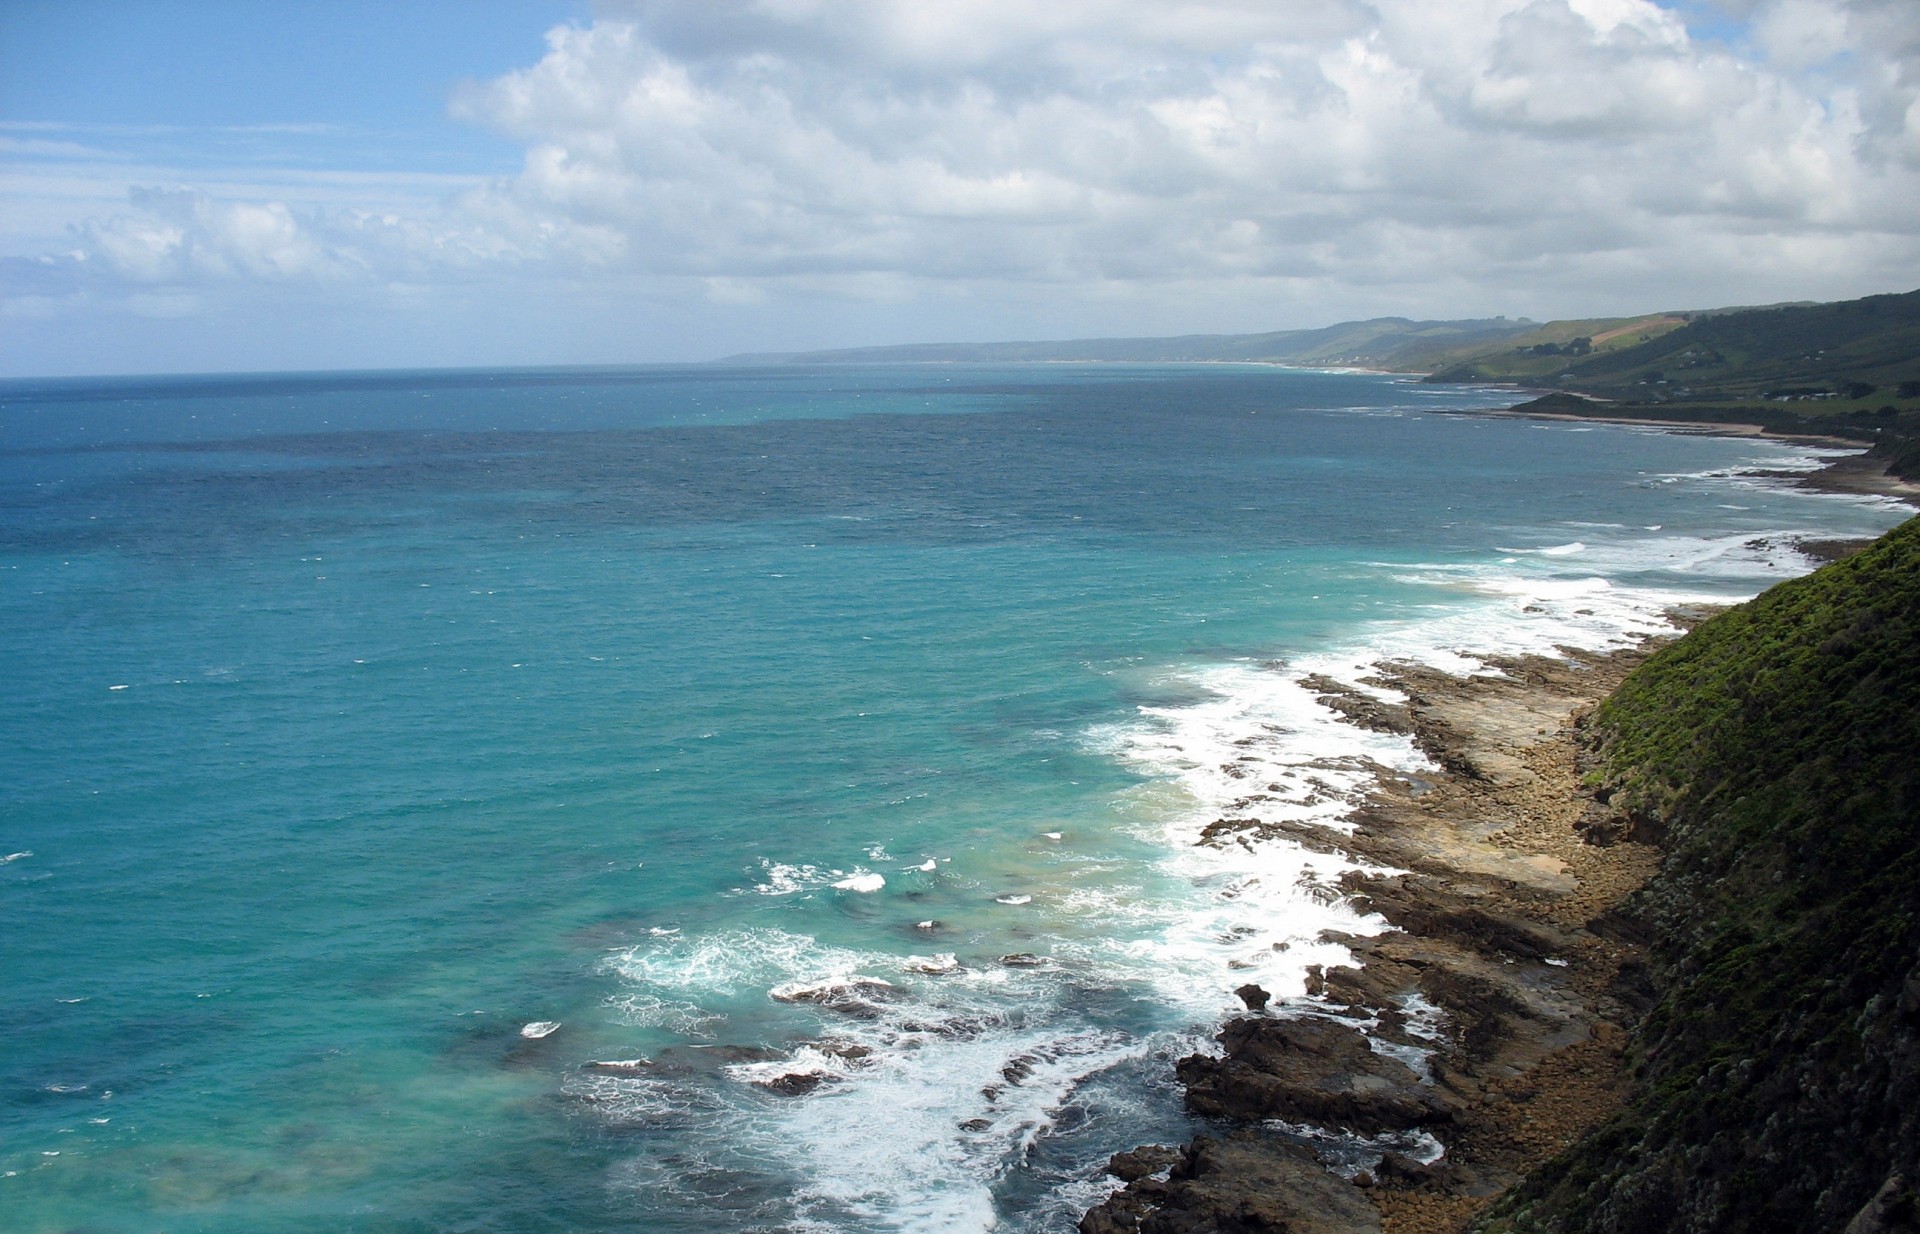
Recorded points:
892,1089
917,1082
1258,746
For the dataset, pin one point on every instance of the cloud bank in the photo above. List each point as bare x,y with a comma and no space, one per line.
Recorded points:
1087,164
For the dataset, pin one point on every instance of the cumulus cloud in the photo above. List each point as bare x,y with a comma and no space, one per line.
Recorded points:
1251,151
182,235
1121,139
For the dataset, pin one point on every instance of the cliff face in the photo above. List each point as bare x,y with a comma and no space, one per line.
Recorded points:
1774,753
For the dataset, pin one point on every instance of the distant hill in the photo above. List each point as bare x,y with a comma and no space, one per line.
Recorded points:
1849,369
1849,352
1393,343
1541,354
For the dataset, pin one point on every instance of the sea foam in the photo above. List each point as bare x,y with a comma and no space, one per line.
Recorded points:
905,1100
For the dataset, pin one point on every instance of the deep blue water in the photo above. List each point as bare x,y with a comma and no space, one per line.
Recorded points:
355,723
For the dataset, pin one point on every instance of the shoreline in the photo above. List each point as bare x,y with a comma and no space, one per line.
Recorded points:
1501,978
1858,473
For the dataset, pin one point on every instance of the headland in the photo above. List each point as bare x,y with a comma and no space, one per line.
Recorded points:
1652,929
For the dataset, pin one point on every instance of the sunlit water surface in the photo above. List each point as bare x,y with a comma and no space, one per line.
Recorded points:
739,722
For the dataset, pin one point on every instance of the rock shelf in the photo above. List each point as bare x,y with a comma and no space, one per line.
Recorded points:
1506,972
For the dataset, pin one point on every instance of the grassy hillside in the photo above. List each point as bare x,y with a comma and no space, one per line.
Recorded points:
1777,747
1850,369
1542,354
1854,351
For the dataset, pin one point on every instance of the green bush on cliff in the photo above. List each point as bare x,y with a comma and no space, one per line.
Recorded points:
1778,749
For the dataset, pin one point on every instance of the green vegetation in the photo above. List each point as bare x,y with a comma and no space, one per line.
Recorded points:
1777,747
1542,354
1850,369
1854,352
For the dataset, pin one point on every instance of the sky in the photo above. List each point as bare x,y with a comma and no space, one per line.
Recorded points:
257,185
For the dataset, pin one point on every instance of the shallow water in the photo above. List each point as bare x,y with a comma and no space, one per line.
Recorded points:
354,724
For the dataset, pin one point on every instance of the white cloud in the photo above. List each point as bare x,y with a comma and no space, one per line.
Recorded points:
1100,139
1298,159
183,236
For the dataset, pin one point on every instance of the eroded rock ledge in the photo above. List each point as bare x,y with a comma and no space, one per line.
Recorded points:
1504,922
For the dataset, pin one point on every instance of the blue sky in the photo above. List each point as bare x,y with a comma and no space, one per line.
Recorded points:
227,185
344,83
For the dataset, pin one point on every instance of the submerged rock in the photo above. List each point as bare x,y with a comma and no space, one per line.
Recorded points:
854,996
708,1055
797,1083
832,991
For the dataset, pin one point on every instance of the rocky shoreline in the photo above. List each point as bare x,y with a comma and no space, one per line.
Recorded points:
1490,1022
1863,473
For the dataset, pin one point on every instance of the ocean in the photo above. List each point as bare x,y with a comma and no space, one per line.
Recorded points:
701,798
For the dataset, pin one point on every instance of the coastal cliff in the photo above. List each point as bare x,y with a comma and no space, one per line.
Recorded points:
1654,958
1776,751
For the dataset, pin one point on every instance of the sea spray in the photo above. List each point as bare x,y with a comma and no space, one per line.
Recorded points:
440,723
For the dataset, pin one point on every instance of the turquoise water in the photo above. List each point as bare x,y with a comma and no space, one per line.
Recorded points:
355,724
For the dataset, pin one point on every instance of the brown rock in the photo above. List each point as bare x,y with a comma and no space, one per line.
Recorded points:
1143,1161
1244,1185
1504,873
1307,1070
1124,1210
1254,1186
